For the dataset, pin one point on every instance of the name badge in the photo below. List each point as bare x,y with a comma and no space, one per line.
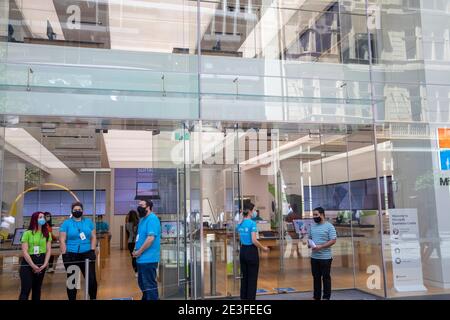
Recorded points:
82,236
36,250
137,238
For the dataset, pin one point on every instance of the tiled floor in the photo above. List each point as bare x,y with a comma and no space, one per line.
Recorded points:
336,295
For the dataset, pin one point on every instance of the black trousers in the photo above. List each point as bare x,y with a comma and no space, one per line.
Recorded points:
30,281
51,261
321,269
78,259
133,260
249,259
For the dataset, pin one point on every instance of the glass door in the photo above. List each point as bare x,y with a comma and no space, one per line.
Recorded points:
178,231
312,172
234,277
221,203
286,172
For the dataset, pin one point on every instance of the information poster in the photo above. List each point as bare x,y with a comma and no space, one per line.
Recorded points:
302,226
405,249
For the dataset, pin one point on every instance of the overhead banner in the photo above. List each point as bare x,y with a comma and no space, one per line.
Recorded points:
405,249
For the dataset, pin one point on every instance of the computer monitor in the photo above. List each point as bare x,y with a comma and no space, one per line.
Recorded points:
169,229
17,239
302,225
147,191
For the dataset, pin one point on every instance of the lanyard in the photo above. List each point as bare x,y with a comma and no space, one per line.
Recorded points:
76,226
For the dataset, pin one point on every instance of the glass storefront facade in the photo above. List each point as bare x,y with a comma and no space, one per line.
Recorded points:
340,104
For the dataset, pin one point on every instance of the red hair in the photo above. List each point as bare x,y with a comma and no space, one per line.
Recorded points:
34,225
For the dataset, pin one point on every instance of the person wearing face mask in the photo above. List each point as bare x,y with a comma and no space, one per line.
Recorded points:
322,236
78,241
147,250
255,215
249,255
36,248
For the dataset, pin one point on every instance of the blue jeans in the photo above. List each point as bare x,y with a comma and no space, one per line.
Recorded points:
147,280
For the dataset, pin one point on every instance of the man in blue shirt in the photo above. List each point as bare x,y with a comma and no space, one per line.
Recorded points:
101,226
147,250
322,236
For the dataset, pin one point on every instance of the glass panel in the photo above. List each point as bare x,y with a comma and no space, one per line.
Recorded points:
309,158
196,215
89,49
299,61
363,214
221,203
416,224
50,163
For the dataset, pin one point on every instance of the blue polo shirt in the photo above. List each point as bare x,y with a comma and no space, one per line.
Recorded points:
321,233
245,229
73,229
149,226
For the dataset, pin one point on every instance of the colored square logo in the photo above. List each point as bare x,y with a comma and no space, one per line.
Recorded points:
444,138
444,160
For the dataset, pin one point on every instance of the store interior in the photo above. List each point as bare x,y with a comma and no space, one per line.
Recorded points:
199,176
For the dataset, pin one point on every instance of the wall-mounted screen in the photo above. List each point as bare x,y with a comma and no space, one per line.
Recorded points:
158,185
147,190
337,196
58,202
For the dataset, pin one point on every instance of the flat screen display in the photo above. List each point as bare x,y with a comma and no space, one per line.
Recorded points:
356,195
155,184
17,239
147,189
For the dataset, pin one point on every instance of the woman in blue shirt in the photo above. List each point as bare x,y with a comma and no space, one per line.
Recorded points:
249,256
78,241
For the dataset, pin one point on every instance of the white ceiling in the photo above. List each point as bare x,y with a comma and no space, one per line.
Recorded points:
129,148
27,147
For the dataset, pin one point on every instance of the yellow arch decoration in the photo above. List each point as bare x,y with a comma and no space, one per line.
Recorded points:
13,209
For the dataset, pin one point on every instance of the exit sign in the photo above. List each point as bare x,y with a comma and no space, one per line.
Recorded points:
180,137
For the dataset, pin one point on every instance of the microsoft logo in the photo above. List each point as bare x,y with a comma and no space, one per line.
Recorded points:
444,148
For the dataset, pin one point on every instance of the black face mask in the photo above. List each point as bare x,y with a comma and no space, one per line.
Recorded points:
317,219
142,211
77,214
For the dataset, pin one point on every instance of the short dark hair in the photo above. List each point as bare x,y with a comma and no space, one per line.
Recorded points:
249,206
246,212
320,210
149,203
77,204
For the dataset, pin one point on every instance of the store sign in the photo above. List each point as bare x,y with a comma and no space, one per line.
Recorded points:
444,149
405,250
444,182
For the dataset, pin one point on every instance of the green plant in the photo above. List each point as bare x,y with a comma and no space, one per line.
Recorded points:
32,176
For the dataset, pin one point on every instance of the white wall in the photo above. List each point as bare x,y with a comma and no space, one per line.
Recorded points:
255,183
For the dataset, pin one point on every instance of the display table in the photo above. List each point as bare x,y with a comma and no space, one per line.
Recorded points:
6,250
104,241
